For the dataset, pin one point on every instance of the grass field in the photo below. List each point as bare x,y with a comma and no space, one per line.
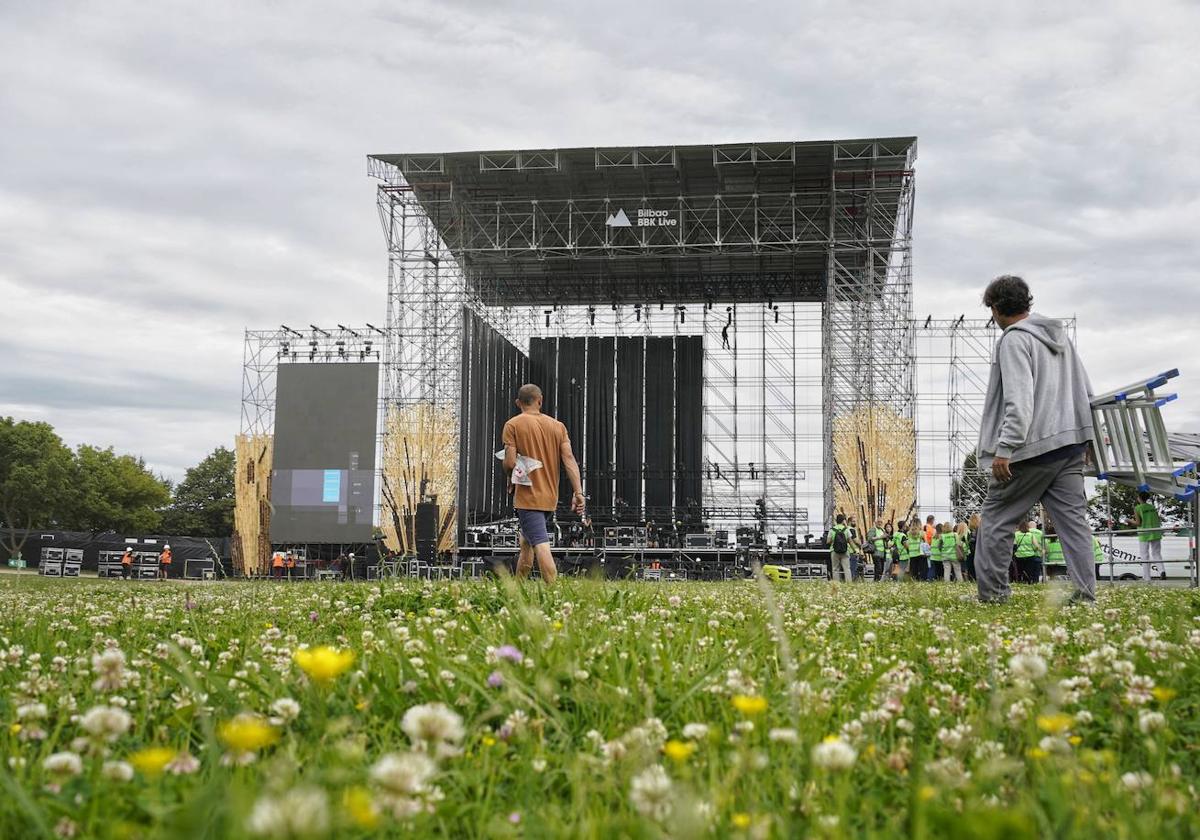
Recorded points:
487,709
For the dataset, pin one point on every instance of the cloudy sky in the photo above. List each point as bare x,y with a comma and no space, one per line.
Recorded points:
172,173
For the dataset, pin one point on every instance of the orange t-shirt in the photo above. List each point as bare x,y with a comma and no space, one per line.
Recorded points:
537,436
929,530
127,559
165,558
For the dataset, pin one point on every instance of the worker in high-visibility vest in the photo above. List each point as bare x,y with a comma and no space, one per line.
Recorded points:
900,550
1027,551
126,563
277,565
164,563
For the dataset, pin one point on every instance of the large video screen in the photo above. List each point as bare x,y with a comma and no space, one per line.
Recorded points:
323,480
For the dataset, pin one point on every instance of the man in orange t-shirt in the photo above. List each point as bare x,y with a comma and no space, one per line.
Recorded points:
164,563
537,435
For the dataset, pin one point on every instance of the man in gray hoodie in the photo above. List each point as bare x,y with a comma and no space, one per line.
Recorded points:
1035,435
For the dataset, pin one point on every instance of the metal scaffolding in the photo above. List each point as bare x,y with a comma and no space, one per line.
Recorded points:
792,260
954,358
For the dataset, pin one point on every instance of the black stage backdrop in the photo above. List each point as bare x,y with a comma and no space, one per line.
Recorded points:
492,371
689,448
660,422
631,363
601,373
657,435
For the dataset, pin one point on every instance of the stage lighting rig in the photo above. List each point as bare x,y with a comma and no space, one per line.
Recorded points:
317,329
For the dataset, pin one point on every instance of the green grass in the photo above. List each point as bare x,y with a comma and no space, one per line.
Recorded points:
891,670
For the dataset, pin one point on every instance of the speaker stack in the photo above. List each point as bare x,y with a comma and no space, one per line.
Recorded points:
427,528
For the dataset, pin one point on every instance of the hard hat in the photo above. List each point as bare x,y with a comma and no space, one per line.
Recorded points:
166,547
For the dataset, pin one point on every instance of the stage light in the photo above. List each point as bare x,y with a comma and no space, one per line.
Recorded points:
661,306
591,315
637,311
777,315
547,313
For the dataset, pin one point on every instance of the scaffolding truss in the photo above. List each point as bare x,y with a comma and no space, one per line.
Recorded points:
954,358
792,260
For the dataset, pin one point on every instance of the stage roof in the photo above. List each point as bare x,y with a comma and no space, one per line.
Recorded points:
634,223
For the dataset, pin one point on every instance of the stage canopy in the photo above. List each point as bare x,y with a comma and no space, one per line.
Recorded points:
681,224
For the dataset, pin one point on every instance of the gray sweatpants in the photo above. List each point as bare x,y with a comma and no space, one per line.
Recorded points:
1058,485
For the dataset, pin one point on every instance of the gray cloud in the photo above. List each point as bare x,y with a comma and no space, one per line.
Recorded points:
172,174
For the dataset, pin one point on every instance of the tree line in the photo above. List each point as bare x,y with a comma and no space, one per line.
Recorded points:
44,484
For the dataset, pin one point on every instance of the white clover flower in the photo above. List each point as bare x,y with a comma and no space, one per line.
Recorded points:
433,728
783,735
695,731
1135,781
32,711
63,764
1028,666
105,723
650,792
869,637
1083,716
1055,745
301,812
834,754
403,774
538,765
285,710
117,771
1151,721
183,764
109,667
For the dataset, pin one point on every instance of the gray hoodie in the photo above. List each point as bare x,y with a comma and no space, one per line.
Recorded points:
1038,396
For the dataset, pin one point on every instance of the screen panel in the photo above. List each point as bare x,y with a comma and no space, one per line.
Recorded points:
323,480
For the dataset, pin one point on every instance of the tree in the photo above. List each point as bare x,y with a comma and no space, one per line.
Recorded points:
968,489
203,504
115,493
35,476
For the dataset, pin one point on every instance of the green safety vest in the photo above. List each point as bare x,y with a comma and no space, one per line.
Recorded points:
1024,545
1054,551
899,541
943,548
1150,520
877,538
914,547
1097,550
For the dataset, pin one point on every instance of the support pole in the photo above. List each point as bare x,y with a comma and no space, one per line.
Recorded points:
1195,576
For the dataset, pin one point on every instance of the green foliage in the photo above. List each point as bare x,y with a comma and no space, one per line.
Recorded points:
1023,720
112,492
1124,499
35,477
203,502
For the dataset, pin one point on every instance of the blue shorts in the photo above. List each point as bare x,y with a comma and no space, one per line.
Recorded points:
535,525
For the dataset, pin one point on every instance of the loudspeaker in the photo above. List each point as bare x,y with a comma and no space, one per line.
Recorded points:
427,528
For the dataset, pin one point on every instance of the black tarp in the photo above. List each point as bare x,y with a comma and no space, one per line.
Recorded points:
182,548
631,360
689,425
601,373
660,425
572,374
492,371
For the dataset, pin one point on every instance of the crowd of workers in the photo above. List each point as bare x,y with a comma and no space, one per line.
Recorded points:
940,550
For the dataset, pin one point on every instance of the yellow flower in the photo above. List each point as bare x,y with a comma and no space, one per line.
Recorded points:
557,625
247,733
927,792
152,760
678,750
740,820
360,705
361,808
324,664
1055,724
489,741
1075,740
1164,695
750,704
1036,752
14,729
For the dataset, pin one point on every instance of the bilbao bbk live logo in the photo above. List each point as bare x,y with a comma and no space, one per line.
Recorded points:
642,218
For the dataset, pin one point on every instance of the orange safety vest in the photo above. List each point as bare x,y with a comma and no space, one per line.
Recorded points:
277,562
126,559
291,562
165,558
